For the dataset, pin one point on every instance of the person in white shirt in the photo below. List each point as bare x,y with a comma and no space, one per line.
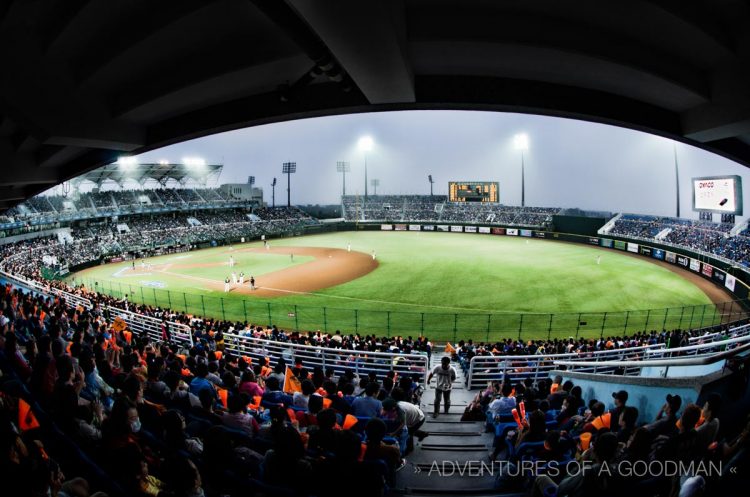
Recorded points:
446,375
413,417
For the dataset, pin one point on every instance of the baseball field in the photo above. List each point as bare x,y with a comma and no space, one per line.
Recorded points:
446,286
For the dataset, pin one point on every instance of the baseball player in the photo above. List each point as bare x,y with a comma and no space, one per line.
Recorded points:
349,247
242,278
226,284
234,278
252,283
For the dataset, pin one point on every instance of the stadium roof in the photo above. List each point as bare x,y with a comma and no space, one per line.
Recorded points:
161,173
84,81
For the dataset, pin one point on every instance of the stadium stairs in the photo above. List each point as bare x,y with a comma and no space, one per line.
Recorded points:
434,467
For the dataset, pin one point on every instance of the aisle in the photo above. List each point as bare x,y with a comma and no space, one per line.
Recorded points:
453,458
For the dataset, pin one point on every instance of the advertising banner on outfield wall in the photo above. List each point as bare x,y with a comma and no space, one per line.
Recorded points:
540,234
526,233
594,241
670,257
457,229
414,227
470,229
645,250
683,261
443,227
428,227
633,247
497,231
386,227
707,270
605,242
729,282
657,254
484,229
695,265
400,227
511,232
620,245
719,276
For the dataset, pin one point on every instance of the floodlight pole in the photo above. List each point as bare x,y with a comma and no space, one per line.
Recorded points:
288,168
343,167
365,174
432,181
375,183
273,193
523,185
676,178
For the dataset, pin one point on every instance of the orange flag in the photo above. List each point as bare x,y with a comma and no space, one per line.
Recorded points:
349,422
291,382
26,418
223,394
255,404
449,348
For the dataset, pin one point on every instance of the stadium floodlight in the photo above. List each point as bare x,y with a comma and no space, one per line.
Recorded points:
343,168
521,142
365,144
375,184
194,161
127,161
273,193
289,168
432,182
163,162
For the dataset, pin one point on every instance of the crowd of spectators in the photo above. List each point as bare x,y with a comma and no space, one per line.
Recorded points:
426,208
95,241
159,420
705,236
575,445
109,202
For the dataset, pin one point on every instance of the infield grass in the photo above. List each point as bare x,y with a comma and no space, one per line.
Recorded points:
445,285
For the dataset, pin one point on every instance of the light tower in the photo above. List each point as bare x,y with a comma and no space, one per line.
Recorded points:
273,193
289,168
432,182
365,145
375,184
521,142
343,168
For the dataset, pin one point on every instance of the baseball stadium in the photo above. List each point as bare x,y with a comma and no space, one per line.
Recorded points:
376,248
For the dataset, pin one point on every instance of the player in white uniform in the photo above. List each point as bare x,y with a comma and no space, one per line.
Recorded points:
598,259
242,278
373,255
231,261
348,247
226,284
234,278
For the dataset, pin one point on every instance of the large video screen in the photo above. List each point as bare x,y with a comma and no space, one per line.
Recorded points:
718,194
473,191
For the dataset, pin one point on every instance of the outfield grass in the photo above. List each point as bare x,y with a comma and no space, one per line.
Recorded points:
443,284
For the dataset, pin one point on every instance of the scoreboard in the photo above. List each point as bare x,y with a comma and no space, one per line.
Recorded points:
718,194
473,191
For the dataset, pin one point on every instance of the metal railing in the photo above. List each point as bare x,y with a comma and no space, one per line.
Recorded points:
179,333
340,360
517,368
35,286
635,368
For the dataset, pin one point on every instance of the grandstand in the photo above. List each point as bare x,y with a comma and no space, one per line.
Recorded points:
428,208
